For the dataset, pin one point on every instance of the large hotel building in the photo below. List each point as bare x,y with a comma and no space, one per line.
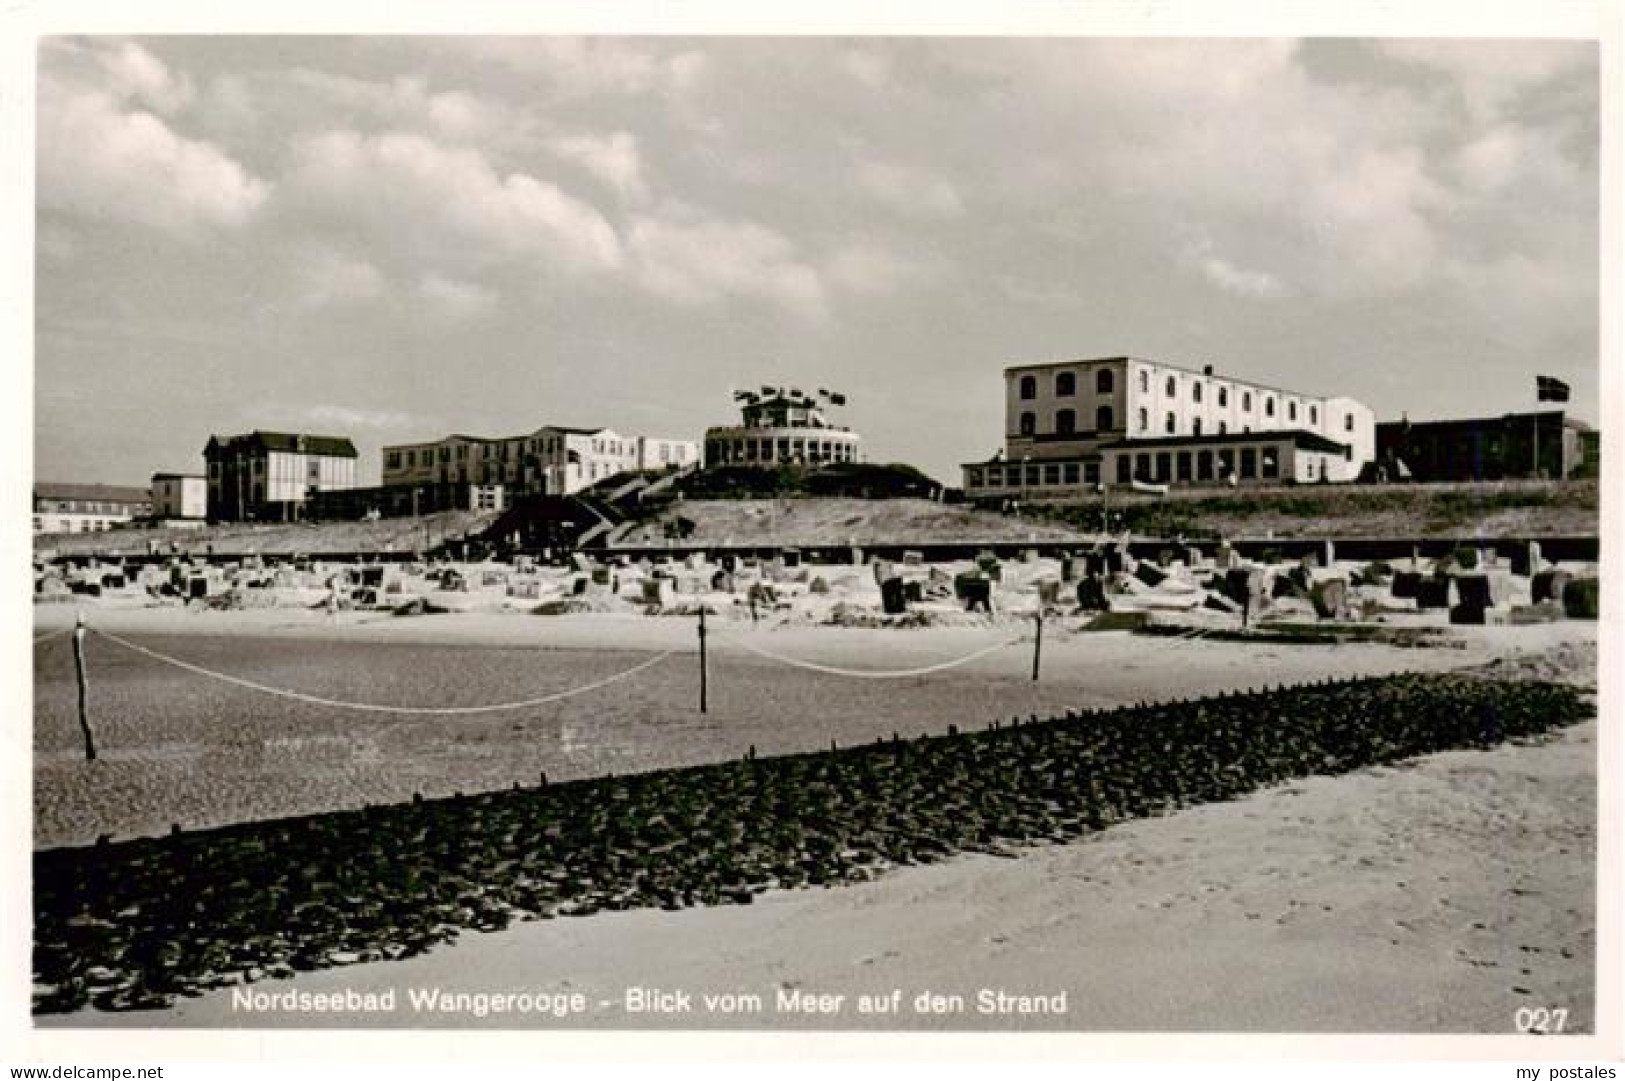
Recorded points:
1072,425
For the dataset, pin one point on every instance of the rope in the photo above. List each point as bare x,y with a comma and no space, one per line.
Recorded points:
368,707
861,674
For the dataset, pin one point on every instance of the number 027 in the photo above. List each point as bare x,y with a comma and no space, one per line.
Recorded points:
1540,1019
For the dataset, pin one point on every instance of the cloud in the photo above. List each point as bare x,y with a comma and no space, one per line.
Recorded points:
342,417
455,299
333,278
870,269
450,202
687,257
1227,276
1489,75
101,160
612,159
581,67
909,190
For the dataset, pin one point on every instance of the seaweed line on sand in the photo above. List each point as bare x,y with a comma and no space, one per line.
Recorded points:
133,925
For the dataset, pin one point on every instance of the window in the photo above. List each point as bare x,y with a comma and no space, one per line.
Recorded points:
1164,464
1123,468
1145,420
1052,473
973,478
1091,472
1032,476
1291,410
1224,396
1314,414
1104,419
1249,463
1348,422
1103,381
1066,385
1223,427
1269,407
1029,423
1145,381
1246,401
1172,386
1029,388
1066,422
995,477
1272,462
1204,465
1070,472
1196,392
1168,422
1196,426
1183,464
1142,466
1227,463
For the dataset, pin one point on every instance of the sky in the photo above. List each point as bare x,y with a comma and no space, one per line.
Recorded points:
397,238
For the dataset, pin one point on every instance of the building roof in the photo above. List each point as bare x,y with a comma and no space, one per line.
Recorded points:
100,493
332,446
1300,438
178,476
567,430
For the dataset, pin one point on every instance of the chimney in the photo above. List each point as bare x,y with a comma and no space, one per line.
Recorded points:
1207,369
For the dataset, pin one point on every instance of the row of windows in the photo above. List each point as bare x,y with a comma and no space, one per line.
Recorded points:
782,449
1158,467
1066,386
79,506
551,444
1066,422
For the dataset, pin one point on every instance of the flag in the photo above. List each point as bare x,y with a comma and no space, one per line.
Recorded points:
837,399
1548,389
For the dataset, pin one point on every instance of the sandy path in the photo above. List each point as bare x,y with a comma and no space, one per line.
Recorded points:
176,748
1439,896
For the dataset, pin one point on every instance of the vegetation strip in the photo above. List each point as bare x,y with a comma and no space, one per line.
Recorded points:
134,924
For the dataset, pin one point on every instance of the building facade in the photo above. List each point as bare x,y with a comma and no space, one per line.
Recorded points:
267,476
1073,425
552,460
87,508
183,496
1541,444
782,427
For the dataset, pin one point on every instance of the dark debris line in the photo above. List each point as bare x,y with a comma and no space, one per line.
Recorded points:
132,925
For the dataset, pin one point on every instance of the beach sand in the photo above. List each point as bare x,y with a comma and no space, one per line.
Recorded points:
1439,895
1436,896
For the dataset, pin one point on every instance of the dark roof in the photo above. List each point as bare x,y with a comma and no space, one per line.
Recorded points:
178,476
1552,415
1299,438
567,430
333,446
101,493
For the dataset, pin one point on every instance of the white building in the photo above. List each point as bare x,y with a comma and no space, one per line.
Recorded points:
1072,425
782,427
87,508
180,496
552,460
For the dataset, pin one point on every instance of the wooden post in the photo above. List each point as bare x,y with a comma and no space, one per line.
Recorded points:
1038,638
702,658
79,667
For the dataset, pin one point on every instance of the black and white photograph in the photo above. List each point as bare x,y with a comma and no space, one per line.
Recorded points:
931,532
